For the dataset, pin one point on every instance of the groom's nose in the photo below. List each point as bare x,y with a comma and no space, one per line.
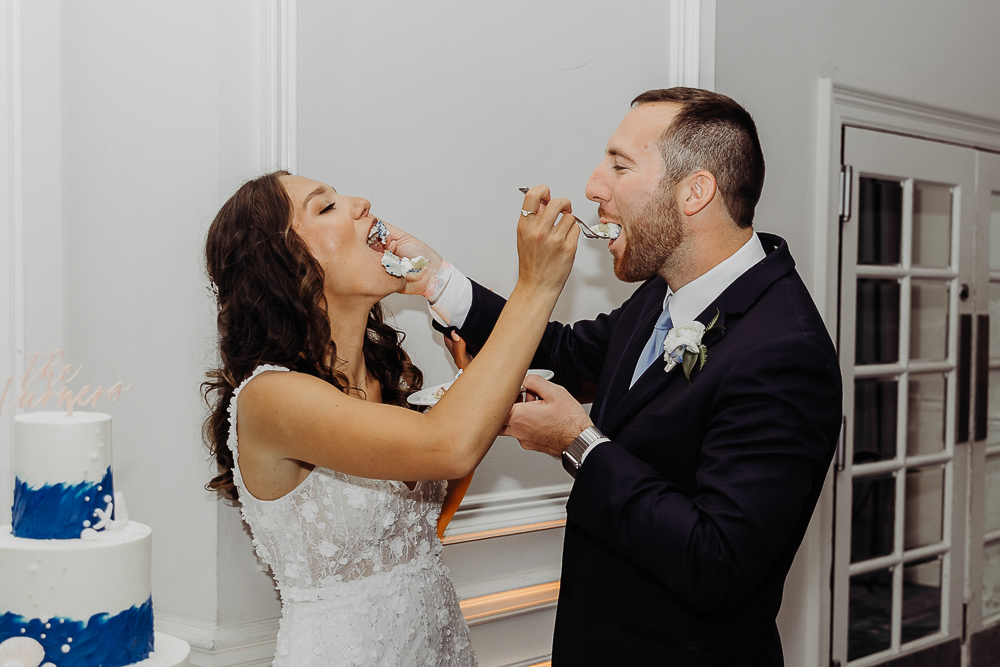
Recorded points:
597,185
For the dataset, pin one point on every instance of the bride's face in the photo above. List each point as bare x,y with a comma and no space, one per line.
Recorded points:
336,228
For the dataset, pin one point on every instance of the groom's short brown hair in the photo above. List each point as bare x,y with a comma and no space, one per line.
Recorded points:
714,133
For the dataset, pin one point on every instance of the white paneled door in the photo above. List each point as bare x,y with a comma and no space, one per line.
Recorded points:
914,345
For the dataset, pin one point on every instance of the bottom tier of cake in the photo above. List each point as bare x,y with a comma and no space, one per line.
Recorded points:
86,602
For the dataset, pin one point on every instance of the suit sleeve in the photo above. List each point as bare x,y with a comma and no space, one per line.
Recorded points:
575,353
767,448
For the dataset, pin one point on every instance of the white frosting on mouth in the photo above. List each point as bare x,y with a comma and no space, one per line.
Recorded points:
400,266
378,232
608,230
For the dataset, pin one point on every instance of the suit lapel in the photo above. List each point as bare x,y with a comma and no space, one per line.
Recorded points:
736,300
655,379
638,330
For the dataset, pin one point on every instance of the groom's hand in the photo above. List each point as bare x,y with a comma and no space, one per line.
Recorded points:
550,422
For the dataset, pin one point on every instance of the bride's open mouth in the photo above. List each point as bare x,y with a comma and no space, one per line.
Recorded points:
393,265
377,236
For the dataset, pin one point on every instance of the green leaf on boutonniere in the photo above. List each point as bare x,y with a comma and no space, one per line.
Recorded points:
690,359
712,323
701,356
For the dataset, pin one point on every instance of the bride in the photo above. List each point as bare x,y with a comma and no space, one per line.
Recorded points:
337,479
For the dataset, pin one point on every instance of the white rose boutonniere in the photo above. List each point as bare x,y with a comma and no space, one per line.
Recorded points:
683,346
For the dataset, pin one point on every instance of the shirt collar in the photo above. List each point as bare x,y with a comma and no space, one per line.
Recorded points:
689,301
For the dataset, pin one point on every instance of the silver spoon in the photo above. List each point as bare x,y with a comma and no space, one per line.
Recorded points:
587,231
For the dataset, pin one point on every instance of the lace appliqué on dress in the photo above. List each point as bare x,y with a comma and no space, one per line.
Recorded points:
358,564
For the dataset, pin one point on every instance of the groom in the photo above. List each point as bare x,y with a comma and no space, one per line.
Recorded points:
695,476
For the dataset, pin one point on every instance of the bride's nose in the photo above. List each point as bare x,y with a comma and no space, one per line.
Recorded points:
359,207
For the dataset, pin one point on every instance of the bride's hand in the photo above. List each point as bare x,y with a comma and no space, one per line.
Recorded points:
546,247
406,245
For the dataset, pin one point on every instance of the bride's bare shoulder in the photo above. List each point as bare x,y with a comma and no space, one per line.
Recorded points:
271,382
272,393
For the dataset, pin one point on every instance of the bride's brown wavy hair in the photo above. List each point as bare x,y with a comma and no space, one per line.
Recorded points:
272,310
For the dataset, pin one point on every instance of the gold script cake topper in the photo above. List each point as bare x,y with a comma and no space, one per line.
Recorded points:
47,370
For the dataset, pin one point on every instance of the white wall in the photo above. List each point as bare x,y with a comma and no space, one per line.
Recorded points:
438,111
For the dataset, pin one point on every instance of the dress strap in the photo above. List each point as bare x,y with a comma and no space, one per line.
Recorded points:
231,440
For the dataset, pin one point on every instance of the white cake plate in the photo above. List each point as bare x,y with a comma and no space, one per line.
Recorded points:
169,652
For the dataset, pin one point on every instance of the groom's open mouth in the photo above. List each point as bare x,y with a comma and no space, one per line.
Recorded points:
377,236
617,233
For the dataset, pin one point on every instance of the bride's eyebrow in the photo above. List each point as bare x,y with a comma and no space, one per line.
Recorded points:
318,191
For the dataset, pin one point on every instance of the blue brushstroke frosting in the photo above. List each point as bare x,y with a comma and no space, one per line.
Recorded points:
103,641
58,511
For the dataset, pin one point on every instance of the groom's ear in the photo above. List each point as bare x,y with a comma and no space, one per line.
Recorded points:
698,189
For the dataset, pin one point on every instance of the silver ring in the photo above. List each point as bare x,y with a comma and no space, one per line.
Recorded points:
526,213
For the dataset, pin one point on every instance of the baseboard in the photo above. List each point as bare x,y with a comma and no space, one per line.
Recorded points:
244,645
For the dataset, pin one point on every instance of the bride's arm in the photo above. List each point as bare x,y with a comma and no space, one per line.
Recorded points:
299,417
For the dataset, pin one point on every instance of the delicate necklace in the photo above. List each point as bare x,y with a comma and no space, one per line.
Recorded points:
362,386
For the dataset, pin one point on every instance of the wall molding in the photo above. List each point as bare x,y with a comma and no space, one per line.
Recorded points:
841,104
691,44
872,110
279,96
488,515
505,604
11,230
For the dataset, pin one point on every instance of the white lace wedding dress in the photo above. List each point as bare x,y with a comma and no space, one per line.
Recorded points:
358,564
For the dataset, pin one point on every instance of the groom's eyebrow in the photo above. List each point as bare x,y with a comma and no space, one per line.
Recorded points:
617,152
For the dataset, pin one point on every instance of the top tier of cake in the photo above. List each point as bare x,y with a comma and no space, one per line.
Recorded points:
62,467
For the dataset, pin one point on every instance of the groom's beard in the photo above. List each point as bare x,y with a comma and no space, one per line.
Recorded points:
652,236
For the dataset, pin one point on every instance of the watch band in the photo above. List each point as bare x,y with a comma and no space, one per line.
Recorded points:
572,457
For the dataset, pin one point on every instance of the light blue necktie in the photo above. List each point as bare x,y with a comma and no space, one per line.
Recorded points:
654,346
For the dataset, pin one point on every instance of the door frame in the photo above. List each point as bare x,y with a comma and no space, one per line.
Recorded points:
842,105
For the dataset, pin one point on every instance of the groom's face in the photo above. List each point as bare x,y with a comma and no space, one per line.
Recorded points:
628,185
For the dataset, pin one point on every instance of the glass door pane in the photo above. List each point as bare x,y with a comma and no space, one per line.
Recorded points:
931,225
921,599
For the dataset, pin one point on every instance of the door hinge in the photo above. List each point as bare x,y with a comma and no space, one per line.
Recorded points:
835,663
965,621
840,458
846,186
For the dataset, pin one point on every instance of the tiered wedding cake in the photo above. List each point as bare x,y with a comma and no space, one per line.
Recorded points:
75,586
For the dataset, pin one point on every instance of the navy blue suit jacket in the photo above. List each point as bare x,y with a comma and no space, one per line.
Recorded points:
681,530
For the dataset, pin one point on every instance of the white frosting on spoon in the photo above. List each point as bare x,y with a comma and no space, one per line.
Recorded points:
400,266
608,230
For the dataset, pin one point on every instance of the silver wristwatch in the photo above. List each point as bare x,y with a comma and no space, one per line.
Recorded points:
573,456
